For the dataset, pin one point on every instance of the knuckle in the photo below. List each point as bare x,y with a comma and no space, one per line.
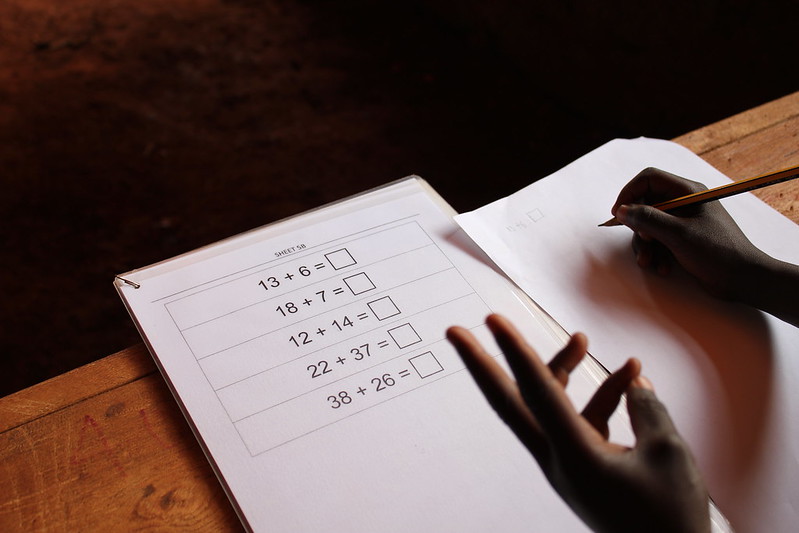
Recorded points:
543,396
695,186
657,173
645,214
651,170
647,402
666,449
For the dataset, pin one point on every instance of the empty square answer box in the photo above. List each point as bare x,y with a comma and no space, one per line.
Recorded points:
426,364
359,283
404,335
535,215
340,259
384,308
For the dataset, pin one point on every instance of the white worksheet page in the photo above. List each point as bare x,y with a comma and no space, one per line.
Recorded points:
310,357
727,373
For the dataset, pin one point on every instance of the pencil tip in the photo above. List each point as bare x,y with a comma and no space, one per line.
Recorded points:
612,222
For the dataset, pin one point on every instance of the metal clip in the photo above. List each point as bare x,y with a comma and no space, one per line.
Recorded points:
129,282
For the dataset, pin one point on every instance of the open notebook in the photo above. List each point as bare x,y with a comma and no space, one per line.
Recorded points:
309,358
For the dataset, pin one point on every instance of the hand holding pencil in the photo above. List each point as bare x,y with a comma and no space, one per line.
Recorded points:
724,191
705,240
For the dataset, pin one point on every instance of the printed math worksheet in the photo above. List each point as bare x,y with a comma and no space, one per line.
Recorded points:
310,358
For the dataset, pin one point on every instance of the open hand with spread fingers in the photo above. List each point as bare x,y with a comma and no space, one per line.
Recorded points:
653,486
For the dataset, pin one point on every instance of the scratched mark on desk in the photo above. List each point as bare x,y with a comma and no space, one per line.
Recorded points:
78,458
151,431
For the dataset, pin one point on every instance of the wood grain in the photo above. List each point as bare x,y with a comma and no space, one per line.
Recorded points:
105,447
116,461
73,387
764,139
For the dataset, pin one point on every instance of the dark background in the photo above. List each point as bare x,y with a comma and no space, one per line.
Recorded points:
135,130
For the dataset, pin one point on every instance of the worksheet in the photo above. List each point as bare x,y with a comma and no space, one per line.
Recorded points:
310,358
727,373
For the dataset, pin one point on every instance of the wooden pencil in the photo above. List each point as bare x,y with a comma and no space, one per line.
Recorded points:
717,193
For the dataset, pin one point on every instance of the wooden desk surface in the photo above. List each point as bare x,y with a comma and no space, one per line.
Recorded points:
105,447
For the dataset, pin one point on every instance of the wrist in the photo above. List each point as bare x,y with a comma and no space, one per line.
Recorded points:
772,286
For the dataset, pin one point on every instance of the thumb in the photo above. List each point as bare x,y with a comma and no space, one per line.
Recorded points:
648,416
647,220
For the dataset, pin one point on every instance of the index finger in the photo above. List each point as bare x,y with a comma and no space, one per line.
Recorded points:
540,388
653,185
500,391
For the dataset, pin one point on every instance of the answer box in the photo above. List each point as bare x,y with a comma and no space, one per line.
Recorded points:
404,336
340,259
535,215
384,308
426,364
359,283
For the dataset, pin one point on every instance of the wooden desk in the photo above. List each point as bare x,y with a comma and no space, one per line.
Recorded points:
105,447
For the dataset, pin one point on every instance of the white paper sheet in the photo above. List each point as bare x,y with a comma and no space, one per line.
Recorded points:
310,358
728,374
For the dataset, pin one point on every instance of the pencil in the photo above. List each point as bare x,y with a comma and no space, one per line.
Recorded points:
717,193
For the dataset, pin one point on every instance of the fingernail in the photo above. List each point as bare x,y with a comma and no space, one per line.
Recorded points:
623,213
643,383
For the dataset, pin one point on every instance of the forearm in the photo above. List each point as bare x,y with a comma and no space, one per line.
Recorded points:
774,288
